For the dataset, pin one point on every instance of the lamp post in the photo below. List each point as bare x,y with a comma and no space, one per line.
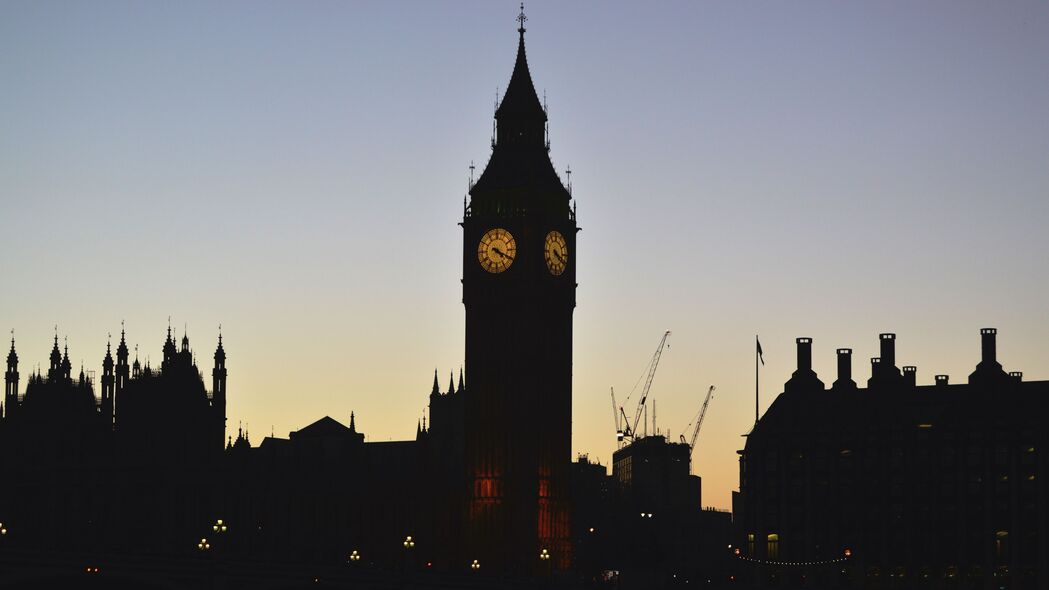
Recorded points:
409,544
544,559
355,556
476,565
204,546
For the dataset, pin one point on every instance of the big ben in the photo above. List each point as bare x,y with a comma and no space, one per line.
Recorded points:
519,270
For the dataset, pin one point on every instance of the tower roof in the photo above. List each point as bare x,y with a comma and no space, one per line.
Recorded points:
122,346
520,99
519,177
12,357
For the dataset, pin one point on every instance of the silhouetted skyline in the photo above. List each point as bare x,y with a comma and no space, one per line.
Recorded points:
296,174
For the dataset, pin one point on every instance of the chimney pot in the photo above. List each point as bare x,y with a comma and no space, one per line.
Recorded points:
1018,375
910,375
888,349
988,345
804,354
844,368
942,379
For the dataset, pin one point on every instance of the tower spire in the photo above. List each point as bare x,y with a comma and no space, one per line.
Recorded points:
521,19
436,389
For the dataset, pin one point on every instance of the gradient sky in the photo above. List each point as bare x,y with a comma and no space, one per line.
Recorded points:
295,172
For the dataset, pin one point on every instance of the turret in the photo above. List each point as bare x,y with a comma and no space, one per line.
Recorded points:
55,370
67,367
11,381
108,387
169,349
136,367
218,390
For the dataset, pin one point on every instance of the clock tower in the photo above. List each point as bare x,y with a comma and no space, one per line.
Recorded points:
519,269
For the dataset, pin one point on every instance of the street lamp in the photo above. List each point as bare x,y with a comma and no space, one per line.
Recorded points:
544,555
355,556
408,542
203,545
476,565
3,529
219,526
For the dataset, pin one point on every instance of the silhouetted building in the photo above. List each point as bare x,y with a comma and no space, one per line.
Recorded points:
132,467
519,236
933,486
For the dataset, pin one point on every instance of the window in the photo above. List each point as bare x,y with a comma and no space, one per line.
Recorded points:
773,546
1001,547
750,544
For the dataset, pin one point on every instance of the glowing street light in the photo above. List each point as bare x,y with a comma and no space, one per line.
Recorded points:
544,555
3,529
203,545
476,565
408,542
355,556
219,526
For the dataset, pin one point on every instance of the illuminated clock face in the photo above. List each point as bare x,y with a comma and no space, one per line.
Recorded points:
556,253
497,250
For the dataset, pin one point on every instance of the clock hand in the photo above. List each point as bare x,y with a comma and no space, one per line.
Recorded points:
500,252
559,257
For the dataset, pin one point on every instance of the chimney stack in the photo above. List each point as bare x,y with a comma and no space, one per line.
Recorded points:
1017,375
804,354
875,367
942,379
910,375
888,349
844,368
988,345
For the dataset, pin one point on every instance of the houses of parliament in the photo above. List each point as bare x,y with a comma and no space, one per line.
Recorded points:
143,463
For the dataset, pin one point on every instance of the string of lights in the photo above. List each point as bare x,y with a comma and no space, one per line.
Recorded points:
846,557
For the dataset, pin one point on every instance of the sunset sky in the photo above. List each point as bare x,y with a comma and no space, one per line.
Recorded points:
296,171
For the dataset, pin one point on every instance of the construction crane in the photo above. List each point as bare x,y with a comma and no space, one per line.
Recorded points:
615,416
699,424
630,428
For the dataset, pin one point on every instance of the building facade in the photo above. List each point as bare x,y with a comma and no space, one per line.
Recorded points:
924,486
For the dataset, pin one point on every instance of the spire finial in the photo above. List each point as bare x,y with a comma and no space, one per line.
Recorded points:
12,338
109,341
521,18
220,334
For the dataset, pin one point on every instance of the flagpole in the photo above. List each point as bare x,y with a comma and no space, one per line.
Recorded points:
756,380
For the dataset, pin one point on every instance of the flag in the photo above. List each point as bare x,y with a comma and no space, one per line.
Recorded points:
760,358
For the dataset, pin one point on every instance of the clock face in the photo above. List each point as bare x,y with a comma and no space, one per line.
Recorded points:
556,252
497,250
